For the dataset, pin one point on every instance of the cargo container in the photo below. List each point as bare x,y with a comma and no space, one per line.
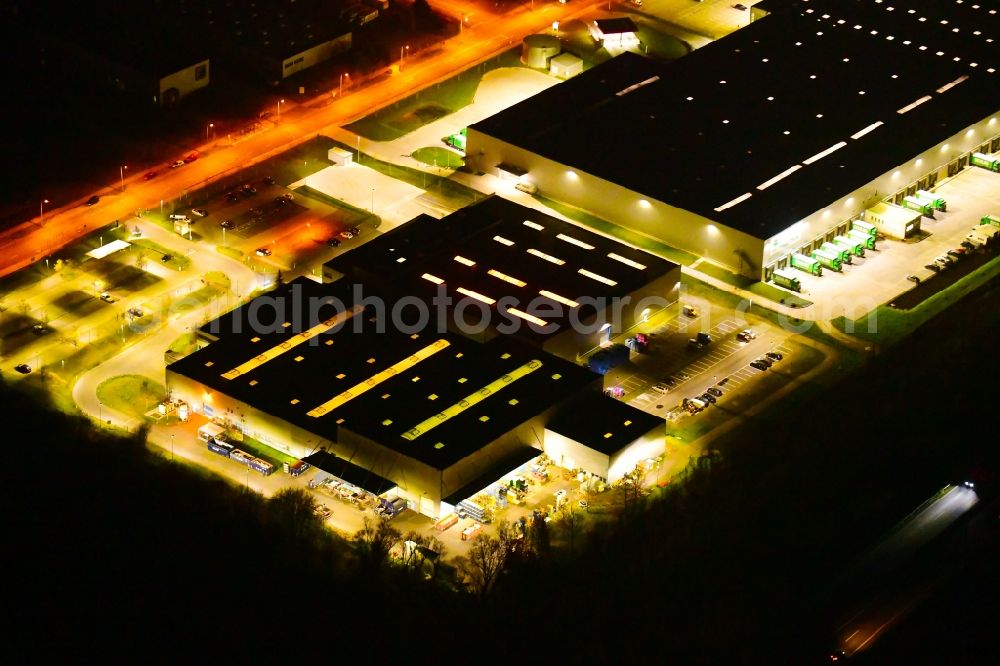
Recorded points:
240,456
867,227
262,466
919,205
985,161
223,449
211,431
296,468
786,279
855,246
446,522
862,237
807,264
936,201
831,261
844,253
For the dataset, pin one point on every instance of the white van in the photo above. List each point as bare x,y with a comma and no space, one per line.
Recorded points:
179,217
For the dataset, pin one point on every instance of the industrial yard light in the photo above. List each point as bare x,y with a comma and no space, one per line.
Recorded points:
280,102
401,49
41,210
210,126
121,175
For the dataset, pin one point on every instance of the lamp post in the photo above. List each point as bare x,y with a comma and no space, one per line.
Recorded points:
373,201
41,210
210,126
171,447
401,49
121,175
280,102
343,75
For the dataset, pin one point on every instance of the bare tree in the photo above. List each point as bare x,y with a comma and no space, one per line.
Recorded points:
297,509
572,525
489,556
374,541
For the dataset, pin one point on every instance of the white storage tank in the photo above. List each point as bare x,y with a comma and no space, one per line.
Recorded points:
537,50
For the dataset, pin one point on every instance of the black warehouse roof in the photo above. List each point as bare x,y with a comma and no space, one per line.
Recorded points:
435,397
775,121
497,251
603,423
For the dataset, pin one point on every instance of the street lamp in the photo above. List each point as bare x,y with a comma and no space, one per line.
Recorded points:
373,201
280,102
121,175
171,447
41,210
210,126
401,49
343,75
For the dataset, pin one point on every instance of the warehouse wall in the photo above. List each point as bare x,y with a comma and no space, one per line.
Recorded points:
678,228
650,445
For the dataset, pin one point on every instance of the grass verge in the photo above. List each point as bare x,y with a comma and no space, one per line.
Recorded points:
264,452
130,394
440,157
430,104
886,326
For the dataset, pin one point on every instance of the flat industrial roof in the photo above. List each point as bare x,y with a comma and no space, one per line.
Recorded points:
497,250
775,121
435,397
603,423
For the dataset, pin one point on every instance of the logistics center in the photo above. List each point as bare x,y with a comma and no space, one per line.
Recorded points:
328,373
784,135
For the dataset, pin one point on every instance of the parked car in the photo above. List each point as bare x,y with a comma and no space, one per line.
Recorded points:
968,246
248,190
356,231
913,278
232,197
135,312
167,257
23,368
263,252
704,338
178,163
346,234
694,344
740,6
227,224
758,365
93,200
716,392
746,335
107,298
934,268
766,361
660,387
333,242
281,201
707,397
774,356
200,212
690,311
150,175
269,180
957,253
191,157
945,259
39,329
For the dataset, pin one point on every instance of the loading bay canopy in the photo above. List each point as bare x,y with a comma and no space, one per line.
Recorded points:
109,248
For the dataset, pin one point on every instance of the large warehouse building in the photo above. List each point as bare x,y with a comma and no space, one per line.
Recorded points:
512,270
350,376
771,140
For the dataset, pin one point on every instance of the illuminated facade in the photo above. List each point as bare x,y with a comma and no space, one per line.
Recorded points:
771,140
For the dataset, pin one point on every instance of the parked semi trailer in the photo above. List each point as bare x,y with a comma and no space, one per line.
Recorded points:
828,260
842,252
985,161
862,237
867,227
936,201
807,264
787,279
923,207
855,246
